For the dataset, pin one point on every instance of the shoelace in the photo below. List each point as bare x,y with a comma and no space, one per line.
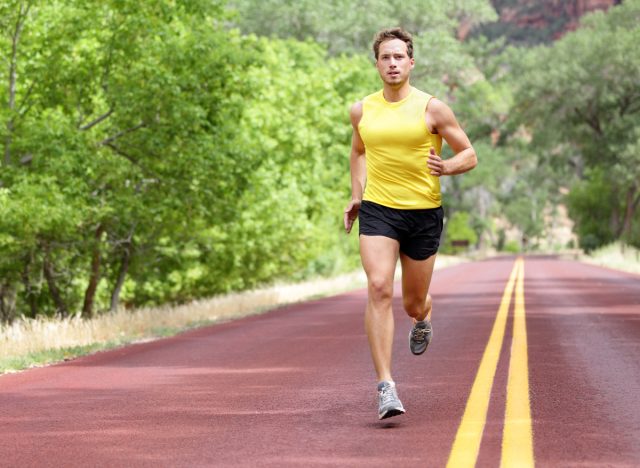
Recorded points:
419,334
387,394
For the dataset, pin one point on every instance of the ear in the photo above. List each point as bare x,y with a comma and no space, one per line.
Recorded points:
413,63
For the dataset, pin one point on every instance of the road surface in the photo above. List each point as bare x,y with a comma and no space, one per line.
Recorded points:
532,362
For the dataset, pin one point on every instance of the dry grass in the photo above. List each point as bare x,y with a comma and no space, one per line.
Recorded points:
28,342
613,256
32,336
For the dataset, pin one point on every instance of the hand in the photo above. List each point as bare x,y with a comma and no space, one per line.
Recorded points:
350,214
435,164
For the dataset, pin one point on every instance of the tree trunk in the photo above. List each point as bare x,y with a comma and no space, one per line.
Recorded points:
15,38
632,201
53,289
7,302
127,253
94,278
122,274
30,297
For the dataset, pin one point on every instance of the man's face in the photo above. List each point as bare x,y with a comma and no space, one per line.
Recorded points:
394,64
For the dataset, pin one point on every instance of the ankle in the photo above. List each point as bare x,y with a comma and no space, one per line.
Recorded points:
383,383
388,379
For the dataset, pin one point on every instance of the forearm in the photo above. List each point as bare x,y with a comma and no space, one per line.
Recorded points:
462,162
358,175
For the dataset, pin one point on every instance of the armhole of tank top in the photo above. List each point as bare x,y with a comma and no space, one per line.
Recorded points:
364,100
429,99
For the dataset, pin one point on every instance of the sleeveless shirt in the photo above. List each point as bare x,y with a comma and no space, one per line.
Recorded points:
397,143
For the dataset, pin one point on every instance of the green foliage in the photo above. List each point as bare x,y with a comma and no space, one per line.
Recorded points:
348,27
293,135
101,146
445,67
583,112
459,229
152,155
511,247
591,204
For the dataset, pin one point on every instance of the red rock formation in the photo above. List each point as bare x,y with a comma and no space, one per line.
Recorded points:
557,16
578,8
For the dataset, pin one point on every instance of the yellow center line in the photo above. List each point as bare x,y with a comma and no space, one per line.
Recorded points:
517,438
465,448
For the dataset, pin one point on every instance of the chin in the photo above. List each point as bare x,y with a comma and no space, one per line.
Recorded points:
395,83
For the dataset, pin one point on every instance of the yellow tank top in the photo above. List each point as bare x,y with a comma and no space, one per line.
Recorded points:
397,144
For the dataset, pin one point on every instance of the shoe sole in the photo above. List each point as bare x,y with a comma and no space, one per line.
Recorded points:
392,412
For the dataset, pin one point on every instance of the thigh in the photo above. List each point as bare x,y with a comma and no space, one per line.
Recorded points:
416,278
379,256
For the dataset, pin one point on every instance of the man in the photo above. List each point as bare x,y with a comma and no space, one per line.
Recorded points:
396,143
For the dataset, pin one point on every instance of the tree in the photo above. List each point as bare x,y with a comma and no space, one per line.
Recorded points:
584,111
348,27
113,122
152,155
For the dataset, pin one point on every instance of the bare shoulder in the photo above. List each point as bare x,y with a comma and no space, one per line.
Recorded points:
439,111
356,113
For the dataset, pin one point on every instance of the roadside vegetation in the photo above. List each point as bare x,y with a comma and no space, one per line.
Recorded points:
616,256
28,342
163,152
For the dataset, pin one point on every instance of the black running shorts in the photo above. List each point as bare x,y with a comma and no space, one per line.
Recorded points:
417,231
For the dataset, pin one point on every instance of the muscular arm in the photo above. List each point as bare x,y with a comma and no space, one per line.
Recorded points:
358,166
441,118
357,159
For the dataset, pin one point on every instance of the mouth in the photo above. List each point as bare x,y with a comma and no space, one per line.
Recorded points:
393,73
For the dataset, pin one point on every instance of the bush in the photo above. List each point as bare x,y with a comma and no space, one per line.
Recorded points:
459,229
512,247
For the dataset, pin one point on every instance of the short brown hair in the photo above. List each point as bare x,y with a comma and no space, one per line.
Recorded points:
395,33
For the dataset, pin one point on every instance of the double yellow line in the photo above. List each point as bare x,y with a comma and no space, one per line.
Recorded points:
517,437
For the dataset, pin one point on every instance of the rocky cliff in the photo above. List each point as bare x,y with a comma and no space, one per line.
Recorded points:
535,21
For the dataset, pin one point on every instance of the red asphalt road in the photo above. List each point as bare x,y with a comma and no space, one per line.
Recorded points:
295,387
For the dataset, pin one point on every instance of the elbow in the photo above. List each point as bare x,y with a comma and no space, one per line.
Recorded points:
473,160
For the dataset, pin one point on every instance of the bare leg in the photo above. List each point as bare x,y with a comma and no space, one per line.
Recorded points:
379,256
416,278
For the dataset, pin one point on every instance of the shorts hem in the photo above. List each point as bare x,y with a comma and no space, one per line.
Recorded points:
379,235
419,258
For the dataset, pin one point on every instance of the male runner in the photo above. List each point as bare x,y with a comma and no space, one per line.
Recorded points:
395,149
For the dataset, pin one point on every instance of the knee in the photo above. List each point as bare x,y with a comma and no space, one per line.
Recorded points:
416,306
413,306
380,289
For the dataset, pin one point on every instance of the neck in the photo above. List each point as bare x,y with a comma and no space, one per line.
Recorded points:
396,93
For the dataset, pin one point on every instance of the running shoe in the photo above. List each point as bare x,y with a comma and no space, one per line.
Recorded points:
388,402
420,336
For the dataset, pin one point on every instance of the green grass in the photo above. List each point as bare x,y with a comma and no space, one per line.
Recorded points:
50,356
